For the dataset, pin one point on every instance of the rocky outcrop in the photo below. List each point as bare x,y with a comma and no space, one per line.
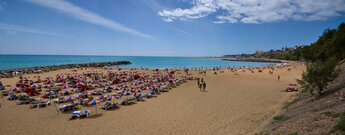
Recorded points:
13,72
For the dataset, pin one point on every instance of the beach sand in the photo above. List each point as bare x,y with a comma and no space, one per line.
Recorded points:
231,105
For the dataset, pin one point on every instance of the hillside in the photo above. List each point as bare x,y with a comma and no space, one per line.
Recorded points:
330,44
309,115
291,53
319,108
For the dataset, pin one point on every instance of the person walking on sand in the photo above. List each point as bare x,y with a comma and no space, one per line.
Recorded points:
200,86
204,86
278,77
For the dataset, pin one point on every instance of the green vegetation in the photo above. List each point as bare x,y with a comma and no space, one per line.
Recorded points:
294,133
261,134
322,58
331,114
341,124
318,75
293,53
330,44
280,118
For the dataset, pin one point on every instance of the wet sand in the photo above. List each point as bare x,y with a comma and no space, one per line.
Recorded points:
231,105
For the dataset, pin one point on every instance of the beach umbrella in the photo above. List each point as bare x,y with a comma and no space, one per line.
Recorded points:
90,93
113,98
32,92
71,99
92,86
25,86
126,93
18,84
65,86
137,95
84,88
48,85
126,86
95,102
67,92
16,89
49,94
33,87
116,88
49,81
137,90
80,84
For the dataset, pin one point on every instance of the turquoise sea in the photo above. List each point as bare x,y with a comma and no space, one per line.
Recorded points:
25,61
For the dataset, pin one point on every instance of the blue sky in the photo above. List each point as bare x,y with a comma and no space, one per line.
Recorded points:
162,27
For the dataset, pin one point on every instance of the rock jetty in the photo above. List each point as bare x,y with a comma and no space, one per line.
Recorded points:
15,72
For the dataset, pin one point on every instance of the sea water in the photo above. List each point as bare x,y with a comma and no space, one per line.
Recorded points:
26,61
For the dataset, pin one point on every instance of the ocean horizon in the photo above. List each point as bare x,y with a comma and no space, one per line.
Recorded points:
15,61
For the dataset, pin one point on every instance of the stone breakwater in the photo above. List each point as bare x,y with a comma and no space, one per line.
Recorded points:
15,72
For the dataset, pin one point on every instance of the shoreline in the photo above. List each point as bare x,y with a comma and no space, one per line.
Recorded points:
9,73
254,60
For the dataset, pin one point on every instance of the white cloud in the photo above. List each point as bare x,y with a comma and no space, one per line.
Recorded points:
82,14
12,29
199,10
258,11
168,19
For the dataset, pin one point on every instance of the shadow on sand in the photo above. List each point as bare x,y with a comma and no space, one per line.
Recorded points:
94,116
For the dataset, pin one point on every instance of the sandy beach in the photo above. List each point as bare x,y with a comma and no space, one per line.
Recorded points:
232,104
